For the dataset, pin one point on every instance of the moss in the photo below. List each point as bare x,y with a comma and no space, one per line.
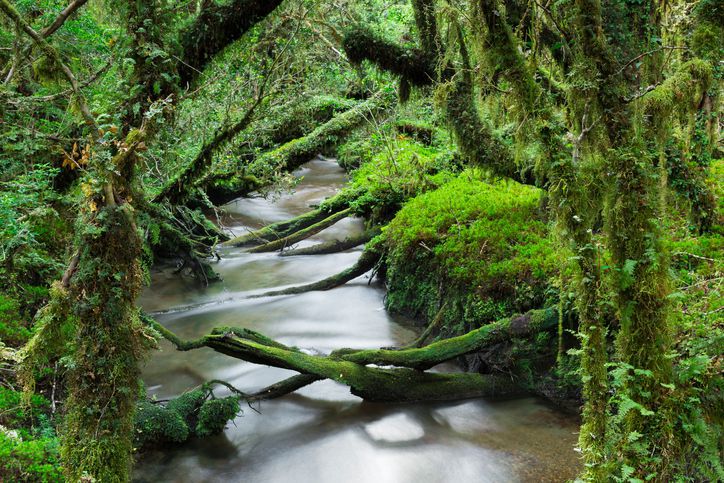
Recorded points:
155,424
218,25
187,404
34,459
476,234
397,172
683,89
413,65
109,343
13,332
214,414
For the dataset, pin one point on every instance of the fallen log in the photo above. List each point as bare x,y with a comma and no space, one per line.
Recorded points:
284,228
295,153
447,349
302,234
398,384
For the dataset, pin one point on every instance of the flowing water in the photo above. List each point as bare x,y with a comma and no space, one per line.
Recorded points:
322,433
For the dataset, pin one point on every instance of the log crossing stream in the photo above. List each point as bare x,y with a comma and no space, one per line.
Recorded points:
322,433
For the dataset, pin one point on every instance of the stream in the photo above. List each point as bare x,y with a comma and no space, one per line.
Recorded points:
322,433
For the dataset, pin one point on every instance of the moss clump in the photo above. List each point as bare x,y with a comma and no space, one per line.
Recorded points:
194,413
155,423
214,414
476,237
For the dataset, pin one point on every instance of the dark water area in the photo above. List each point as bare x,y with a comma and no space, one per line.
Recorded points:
322,433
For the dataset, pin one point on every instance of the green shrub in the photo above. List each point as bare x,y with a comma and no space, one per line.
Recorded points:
34,460
13,331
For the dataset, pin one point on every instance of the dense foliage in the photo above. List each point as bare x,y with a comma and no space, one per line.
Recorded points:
510,157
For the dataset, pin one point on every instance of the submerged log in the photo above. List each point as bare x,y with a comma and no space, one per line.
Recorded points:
302,234
334,246
285,228
401,383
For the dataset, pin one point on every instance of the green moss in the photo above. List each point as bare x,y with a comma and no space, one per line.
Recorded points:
187,404
155,423
477,235
13,332
397,172
214,414
29,460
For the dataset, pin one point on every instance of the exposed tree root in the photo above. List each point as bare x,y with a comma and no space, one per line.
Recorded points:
302,234
403,383
366,262
334,246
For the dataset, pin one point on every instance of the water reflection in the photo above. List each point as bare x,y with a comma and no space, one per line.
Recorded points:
323,433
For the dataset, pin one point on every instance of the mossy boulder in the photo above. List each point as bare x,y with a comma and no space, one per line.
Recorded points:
483,246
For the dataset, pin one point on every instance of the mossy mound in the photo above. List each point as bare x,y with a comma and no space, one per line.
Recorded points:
482,247
396,173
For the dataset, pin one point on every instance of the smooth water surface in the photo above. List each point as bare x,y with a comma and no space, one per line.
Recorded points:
322,433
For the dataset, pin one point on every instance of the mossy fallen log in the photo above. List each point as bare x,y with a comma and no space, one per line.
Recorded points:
334,246
367,261
293,154
302,234
398,384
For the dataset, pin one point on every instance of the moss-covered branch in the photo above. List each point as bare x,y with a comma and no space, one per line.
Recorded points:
370,383
412,64
293,154
447,349
285,228
217,26
367,261
179,188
